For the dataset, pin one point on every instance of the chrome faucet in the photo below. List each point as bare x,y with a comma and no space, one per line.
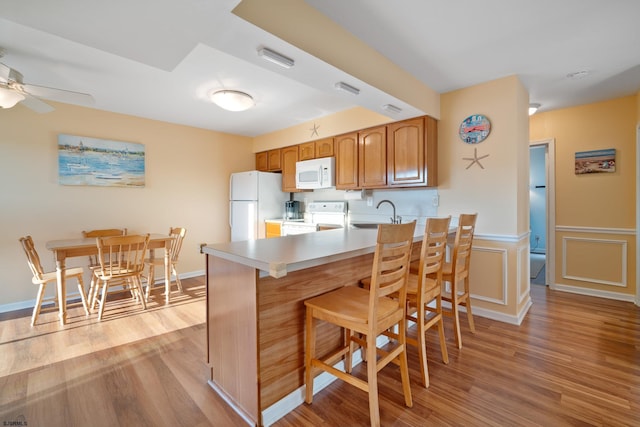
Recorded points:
394,219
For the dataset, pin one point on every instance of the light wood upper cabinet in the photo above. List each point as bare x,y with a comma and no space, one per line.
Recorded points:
372,157
289,159
396,155
324,148
275,159
262,161
269,161
346,148
405,153
307,150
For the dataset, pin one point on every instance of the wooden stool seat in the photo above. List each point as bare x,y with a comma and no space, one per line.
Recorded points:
364,315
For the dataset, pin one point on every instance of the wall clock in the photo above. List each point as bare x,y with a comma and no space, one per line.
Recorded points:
475,129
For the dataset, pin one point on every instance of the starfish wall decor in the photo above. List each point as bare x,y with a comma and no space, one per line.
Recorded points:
475,159
314,130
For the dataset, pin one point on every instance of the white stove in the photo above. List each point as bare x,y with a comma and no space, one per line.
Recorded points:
323,215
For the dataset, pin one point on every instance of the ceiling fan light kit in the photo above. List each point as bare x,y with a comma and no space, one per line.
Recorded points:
276,58
9,97
13,89
232,100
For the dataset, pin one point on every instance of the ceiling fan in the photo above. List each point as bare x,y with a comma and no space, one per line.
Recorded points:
14,90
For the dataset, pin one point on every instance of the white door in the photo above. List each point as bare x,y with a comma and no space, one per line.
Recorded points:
243,218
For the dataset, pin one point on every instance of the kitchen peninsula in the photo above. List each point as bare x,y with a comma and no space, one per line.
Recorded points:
255,312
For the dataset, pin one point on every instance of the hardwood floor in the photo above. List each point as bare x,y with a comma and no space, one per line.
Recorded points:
574,361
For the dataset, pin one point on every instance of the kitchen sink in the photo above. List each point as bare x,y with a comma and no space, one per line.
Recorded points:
366,224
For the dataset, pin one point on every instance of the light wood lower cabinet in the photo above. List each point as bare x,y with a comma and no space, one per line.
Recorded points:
273,229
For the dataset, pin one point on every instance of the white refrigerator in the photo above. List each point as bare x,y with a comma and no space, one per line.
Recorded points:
254,197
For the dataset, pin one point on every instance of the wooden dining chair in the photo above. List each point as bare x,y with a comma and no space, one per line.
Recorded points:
456,273
42,278
364,315
178,234
94,264
424,291
121,260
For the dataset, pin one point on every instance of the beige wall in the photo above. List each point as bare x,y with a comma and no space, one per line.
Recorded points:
187,173
328,126
498,192
595,213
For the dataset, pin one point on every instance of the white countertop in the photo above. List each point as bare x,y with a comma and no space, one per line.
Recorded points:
278,256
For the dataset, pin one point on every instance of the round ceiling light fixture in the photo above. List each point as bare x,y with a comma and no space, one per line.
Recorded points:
232,100
533,107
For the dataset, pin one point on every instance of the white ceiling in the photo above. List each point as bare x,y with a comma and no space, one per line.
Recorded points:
160,58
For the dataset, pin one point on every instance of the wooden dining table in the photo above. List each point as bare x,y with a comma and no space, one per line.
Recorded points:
68,248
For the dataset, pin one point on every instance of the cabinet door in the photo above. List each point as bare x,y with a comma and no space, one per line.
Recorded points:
372,169
431,151
324,148
289,159
307,150
272,229
262,161
275,160
405,153
346,148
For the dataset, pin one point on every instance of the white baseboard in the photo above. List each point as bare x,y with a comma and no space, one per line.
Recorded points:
21,305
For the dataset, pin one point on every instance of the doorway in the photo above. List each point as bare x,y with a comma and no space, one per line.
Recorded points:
542,211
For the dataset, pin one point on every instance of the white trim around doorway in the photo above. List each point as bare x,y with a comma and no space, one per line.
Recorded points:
550,172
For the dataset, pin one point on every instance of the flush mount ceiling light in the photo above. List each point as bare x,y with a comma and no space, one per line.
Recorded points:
533,108
9,98
232,100
347,88
392,108
276,58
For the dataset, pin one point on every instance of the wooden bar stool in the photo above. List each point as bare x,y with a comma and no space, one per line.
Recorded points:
425,288
457,271
364,315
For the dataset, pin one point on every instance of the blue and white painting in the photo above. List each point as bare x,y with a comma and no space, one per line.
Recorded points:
91,161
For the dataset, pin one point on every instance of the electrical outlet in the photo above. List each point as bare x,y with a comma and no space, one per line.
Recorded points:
435,201
537,239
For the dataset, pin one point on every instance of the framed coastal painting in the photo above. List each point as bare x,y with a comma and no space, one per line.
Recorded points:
596,161
100,162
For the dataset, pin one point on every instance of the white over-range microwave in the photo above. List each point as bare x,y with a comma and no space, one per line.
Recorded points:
316,173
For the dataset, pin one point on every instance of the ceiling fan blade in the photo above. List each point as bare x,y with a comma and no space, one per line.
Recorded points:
60,95
4,73
35,104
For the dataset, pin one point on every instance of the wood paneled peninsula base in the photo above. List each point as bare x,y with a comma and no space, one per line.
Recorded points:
255,312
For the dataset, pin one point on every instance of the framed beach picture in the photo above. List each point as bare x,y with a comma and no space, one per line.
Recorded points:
100,162
596,161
